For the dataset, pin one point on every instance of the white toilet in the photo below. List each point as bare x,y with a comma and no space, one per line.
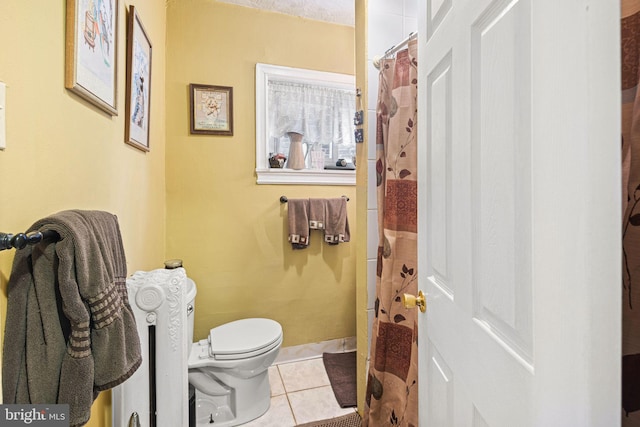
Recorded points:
229,369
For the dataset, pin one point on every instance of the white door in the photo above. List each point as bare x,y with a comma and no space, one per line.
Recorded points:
519,211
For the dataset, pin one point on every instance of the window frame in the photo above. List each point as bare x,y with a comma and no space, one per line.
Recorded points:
267,175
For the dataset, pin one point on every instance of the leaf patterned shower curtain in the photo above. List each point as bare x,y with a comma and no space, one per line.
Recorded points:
392,383
630,56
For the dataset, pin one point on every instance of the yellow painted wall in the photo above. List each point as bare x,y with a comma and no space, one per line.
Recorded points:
62,153
230,231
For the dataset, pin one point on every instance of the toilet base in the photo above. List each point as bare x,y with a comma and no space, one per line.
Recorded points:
249,400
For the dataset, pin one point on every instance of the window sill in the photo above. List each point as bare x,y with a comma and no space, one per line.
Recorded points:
306,177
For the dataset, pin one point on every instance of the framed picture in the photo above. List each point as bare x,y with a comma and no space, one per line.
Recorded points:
91,52
211,109
138,83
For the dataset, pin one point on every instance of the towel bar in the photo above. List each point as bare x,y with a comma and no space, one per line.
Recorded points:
283,199
21,240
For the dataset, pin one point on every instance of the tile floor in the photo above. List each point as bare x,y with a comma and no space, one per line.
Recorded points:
300,393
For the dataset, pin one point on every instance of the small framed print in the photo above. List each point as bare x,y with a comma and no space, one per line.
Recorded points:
138,83
211,109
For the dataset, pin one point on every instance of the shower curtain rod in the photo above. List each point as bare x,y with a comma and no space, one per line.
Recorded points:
393,49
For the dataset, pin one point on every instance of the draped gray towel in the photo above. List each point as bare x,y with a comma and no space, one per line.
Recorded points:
336,225
70,332
298,223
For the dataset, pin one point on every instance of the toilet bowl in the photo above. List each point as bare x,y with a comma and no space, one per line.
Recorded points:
229,369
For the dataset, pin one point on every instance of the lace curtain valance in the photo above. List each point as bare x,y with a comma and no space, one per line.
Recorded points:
322,114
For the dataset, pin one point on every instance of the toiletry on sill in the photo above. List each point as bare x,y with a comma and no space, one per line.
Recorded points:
341,164
317,158
277,161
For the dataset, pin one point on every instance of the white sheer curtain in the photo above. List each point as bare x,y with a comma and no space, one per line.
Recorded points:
324,115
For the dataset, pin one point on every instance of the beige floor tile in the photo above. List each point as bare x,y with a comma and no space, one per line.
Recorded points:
300,393
278,415
303,375
277,388
315,404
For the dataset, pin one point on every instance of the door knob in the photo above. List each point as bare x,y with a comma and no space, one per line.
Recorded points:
410,301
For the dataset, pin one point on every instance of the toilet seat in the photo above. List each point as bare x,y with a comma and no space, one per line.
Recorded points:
244,338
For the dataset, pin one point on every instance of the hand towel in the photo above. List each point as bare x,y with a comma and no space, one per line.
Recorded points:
336,221
70,332
316,214
298,216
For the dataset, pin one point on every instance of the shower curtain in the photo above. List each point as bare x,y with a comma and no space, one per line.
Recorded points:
630,56
392,383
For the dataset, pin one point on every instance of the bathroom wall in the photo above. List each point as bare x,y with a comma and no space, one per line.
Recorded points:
230,231
63,153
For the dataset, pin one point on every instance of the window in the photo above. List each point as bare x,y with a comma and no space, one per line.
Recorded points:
315,110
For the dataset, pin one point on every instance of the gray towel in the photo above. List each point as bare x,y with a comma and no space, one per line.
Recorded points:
298,216
317,214
336,222
70,332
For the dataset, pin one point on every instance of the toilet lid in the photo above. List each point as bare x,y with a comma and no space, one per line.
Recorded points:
244,338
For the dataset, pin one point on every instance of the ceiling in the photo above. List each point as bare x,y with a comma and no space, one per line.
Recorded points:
335,11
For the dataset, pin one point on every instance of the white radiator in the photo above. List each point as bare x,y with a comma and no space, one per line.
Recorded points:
157,394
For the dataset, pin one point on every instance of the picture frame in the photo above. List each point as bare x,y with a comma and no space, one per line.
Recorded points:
91,52
138,101
211,109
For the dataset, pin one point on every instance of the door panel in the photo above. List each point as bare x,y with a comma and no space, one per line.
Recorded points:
501,174
519,213
440,399
439,171
436,11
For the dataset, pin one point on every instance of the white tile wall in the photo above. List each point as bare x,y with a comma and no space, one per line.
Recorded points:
372,265
384,32
372,90
411,8
371,148
410,25
372,195
386,6
372,234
